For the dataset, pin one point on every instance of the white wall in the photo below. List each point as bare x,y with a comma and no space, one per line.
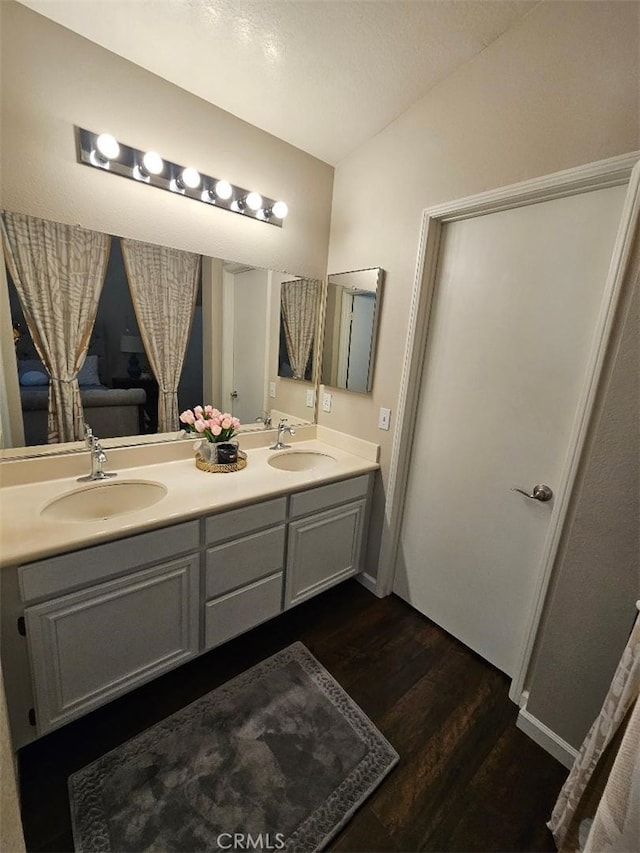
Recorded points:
559,90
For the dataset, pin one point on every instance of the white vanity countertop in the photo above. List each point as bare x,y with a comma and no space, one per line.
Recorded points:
26,535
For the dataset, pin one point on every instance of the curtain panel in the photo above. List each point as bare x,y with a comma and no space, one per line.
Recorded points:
58,271
616,823
619,809
299,302
164,287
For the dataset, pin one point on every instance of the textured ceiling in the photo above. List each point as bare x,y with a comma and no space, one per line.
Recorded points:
324,75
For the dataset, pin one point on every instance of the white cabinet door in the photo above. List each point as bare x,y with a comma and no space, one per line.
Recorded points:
323,550
88,647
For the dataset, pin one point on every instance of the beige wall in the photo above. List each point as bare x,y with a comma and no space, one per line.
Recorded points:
52,79
11,838
559,90
590,606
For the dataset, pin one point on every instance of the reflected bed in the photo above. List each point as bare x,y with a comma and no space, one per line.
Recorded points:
110,412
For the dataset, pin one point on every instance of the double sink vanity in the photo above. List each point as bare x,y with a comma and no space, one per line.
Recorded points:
105,585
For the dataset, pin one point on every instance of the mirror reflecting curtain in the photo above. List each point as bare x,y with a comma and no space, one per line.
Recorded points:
231,359
58,271
299,301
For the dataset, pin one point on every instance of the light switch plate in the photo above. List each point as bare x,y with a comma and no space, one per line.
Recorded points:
272,389
384,419
311,398
326,402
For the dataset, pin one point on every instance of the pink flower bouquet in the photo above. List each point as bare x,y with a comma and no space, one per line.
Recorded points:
210,424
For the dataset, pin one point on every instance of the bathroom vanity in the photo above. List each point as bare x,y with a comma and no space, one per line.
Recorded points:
89,622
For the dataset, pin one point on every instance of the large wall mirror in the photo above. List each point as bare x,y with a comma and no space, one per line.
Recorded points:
351,320
231,358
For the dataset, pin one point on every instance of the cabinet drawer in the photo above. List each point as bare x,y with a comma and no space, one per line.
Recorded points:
92,565
241,610
323,497
228,525
88,647
244,560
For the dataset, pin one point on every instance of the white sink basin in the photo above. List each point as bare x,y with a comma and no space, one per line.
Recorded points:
300,460
100,501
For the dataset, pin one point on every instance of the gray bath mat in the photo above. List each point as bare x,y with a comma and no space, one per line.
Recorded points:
279,758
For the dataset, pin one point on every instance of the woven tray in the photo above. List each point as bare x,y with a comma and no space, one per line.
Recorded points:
214,468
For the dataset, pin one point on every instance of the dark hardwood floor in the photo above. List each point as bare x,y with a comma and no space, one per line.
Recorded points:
467,779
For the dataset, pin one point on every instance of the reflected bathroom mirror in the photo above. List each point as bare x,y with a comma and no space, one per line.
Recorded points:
351,319
231,357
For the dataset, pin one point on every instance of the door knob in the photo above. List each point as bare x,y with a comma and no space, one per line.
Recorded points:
539,493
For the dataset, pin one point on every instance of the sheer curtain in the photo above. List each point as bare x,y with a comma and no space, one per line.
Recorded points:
58,271
299,301
164,288
618,813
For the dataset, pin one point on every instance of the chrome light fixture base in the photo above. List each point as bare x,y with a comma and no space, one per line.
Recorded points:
129,162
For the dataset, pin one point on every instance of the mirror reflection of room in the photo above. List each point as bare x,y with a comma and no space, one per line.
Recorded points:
352,308
94,345
299,301
137,310
230,313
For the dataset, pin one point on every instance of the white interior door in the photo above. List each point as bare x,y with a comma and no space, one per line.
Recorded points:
363,311
346,310
513,321
249,294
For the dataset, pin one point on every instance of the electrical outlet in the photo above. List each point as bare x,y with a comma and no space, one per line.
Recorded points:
311,398
272,389
384,419
326,402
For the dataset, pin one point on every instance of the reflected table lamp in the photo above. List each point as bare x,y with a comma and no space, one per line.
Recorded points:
133,345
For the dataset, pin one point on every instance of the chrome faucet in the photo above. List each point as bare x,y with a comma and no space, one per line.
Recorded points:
282,428
264,418
98,458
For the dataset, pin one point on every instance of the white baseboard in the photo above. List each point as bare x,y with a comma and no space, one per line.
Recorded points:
546,738
368,582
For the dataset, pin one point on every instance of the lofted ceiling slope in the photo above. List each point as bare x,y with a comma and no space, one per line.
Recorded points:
323,75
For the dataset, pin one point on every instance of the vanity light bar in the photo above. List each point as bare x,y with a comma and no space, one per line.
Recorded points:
103,151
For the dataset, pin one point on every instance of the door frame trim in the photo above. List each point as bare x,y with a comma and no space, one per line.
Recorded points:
616,171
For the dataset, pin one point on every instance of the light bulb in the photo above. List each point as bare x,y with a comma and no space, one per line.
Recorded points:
190,177
152,163
254,201
223,189
108,146
280,209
